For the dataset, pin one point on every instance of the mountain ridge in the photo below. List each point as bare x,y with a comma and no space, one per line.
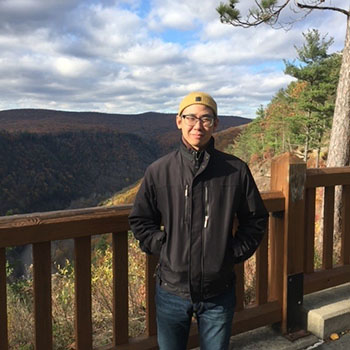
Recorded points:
51,121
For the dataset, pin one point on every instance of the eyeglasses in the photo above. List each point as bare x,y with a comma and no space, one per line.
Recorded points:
191,120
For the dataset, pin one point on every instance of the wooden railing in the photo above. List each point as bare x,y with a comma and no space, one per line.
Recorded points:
287,250
329,274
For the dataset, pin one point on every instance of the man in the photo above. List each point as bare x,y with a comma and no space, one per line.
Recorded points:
185,211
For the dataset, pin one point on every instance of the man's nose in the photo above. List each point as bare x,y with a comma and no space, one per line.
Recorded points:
199,124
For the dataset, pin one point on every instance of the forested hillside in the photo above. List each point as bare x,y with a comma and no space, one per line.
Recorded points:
41,172
299,118
53,160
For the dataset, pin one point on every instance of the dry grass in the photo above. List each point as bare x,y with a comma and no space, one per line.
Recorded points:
125,196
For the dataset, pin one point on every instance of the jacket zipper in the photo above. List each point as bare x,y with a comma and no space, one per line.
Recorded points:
188,227
206,219
206,208
186,204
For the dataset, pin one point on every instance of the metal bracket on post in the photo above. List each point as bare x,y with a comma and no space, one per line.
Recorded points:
295,293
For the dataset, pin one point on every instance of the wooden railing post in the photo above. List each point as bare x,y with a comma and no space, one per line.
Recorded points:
120,288
83,314
42,295
3,301
239,271
309,248
151,324
345,247
262,271
288,174
276,229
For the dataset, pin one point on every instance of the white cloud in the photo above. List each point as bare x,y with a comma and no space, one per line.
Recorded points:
153,52
71,66
182,14
245,46
111,55
22,15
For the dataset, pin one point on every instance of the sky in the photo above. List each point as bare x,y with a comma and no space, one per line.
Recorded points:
136,56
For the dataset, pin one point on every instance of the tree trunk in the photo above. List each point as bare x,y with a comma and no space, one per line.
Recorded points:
339,147
306,145
318,157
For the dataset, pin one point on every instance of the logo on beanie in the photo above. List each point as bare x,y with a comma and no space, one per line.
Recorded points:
198,98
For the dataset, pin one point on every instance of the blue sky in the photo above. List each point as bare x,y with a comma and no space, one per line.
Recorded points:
136,56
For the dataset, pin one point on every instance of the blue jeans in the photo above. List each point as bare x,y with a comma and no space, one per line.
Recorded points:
214,318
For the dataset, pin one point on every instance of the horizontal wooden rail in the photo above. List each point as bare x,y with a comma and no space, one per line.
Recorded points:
323,279
65,224
274,201
59,225
322,177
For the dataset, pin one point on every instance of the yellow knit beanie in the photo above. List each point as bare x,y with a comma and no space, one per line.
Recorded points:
198,97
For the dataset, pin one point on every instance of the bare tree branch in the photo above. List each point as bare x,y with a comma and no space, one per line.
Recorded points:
270,14
311,7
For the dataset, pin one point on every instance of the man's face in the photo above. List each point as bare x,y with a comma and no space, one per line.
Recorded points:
199,134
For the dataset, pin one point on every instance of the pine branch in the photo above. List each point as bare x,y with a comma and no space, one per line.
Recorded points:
254,18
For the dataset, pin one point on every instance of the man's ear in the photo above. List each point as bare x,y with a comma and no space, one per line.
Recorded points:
179,122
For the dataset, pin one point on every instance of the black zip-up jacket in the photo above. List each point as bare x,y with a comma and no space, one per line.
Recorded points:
197,207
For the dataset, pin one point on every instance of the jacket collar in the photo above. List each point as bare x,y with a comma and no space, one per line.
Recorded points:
190,152
198,159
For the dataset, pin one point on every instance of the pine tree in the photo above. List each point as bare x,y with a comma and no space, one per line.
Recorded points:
316,100
268,12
